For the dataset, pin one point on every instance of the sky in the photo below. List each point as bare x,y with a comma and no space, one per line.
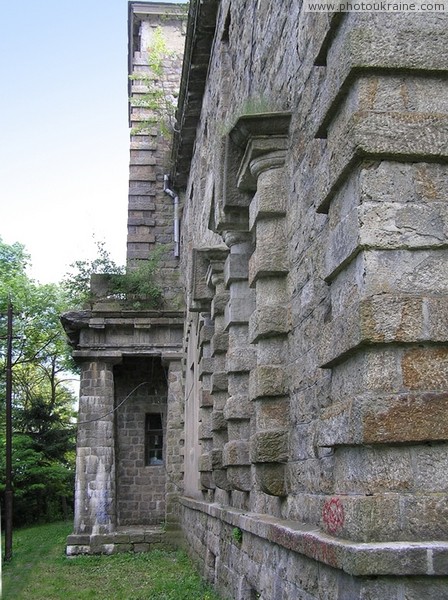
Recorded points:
64,136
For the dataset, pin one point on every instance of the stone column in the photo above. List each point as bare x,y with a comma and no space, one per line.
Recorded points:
240,360
269,325
206,331
254,202
219,380
95,511
175,441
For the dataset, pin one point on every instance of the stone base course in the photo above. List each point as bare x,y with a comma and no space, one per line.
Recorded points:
123,540
245,553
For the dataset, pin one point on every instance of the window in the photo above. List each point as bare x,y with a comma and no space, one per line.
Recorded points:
154,439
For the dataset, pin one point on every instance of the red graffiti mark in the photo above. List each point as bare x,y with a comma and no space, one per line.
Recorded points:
320,551
333,515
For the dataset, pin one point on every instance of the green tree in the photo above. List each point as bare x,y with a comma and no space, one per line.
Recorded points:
76,282
135,287
43,431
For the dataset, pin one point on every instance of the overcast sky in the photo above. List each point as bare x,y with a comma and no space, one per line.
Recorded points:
64,137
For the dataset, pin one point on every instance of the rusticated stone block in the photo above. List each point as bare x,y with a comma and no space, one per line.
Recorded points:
205,462
373,470
265,204
216,459
387,133
264,264
205,399
206,333
238,310
220,479
395,418
236,268
206,480
219,303
267,380
240,360
269,447
219,381
362,47
218,421
219,343
205,366
238,408
388,226
269,321
382,319
205,427
236,453
425,368
271,479
240,478
272,412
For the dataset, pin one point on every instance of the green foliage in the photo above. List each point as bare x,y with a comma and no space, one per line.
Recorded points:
76,282
133,288
42,404
237,535
40,571
156,99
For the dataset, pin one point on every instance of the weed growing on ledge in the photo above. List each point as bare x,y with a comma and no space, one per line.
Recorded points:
237,535
157,100
101,279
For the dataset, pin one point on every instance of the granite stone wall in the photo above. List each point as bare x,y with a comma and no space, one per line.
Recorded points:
314,257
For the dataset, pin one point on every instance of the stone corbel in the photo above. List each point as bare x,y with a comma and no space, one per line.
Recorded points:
263,141
201,294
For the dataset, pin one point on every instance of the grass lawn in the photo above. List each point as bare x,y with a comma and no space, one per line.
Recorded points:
39,570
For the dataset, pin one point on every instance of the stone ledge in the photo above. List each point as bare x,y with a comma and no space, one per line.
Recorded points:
358,559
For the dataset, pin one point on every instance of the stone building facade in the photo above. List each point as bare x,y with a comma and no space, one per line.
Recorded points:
308,372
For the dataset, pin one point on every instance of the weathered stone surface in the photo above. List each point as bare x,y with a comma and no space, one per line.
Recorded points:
241,360
218,421
267,380
384,318
238,408
236,268
219,343
271,478
239,310
236,452
239,477
269,447
219,381
269,321
329,374
409,417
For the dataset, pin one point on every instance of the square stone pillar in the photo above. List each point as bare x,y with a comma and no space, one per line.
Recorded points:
95,510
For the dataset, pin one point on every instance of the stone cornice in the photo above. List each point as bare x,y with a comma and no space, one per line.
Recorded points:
75,322
200,34
355,558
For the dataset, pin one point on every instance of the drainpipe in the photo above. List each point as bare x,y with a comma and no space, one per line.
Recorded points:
175,198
